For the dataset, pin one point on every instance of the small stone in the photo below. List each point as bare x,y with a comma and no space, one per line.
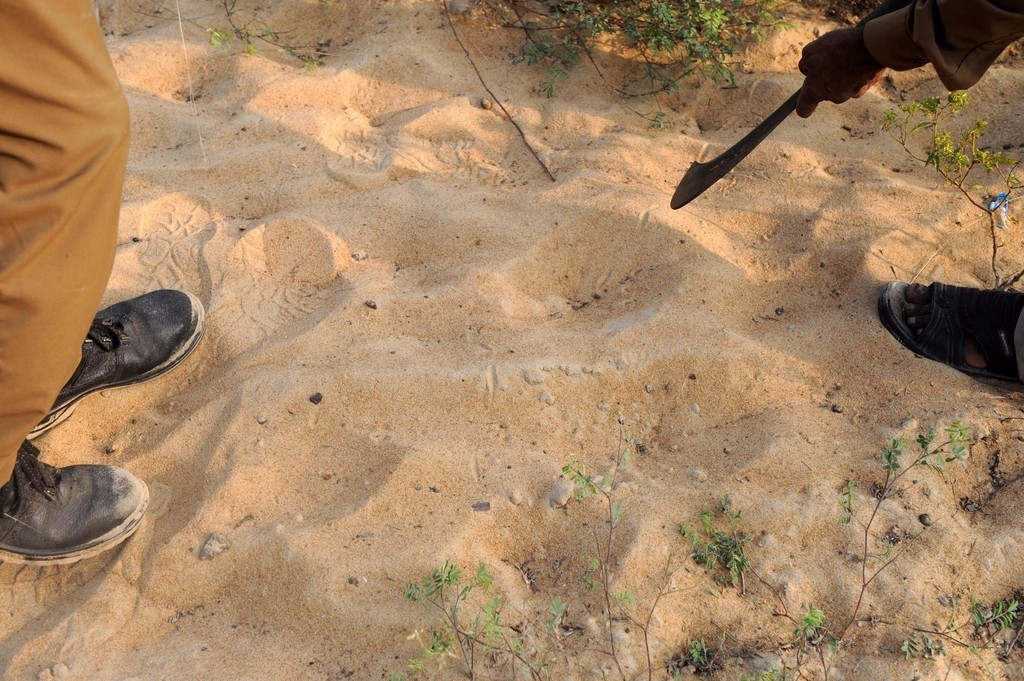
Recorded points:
779,311
60,671
925,519
316,398
533,377
695,408
359,256
136,239
837,408
486,104
547,398
649,388
372,304
435,489
692,377
515,496
560,493
261,420
110,449
354,581
214,546
482,506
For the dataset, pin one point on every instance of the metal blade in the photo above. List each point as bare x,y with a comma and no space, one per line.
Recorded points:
700,176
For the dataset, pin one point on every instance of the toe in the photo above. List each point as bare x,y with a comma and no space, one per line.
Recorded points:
919,294
914,310
918,322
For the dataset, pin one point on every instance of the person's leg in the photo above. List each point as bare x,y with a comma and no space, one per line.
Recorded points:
63,149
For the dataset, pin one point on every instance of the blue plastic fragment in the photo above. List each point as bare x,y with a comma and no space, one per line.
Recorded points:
1000,202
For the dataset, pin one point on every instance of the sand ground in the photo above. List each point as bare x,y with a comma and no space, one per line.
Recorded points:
412,329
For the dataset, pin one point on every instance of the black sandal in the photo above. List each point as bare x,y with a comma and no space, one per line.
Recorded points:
988,317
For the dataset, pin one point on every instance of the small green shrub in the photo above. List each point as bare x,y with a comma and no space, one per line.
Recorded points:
671,39
725,549
986,178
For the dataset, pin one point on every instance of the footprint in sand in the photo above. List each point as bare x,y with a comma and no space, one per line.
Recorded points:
367,157
276,276
170,239
362,155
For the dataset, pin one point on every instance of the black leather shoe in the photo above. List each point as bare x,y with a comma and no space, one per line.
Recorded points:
128,343
61,515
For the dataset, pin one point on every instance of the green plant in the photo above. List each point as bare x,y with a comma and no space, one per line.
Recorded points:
666,40
247,26
599,575
923,646
697,655
984,177
476,636
717,547
977,631
555,74
927,455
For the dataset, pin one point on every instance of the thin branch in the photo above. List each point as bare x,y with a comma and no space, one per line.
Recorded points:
494,97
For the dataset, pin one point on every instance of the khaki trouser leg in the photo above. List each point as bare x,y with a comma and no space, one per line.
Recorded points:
63,149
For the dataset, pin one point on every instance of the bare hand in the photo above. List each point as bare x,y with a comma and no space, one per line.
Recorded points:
837,67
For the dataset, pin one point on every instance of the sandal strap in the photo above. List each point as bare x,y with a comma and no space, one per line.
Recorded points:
988,317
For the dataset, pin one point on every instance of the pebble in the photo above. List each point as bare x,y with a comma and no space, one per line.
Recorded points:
515,496
372,304
359,256
533,377
57,671
649,388
486,104
214,546
695,408
560,493
482,506
261,420
547,398
316,398
925,519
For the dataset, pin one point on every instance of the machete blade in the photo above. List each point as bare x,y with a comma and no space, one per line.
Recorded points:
700,176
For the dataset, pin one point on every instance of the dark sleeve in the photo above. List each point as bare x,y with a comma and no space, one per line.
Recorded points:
959,38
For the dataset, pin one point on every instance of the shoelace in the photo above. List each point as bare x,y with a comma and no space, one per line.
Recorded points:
107,334
30,475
